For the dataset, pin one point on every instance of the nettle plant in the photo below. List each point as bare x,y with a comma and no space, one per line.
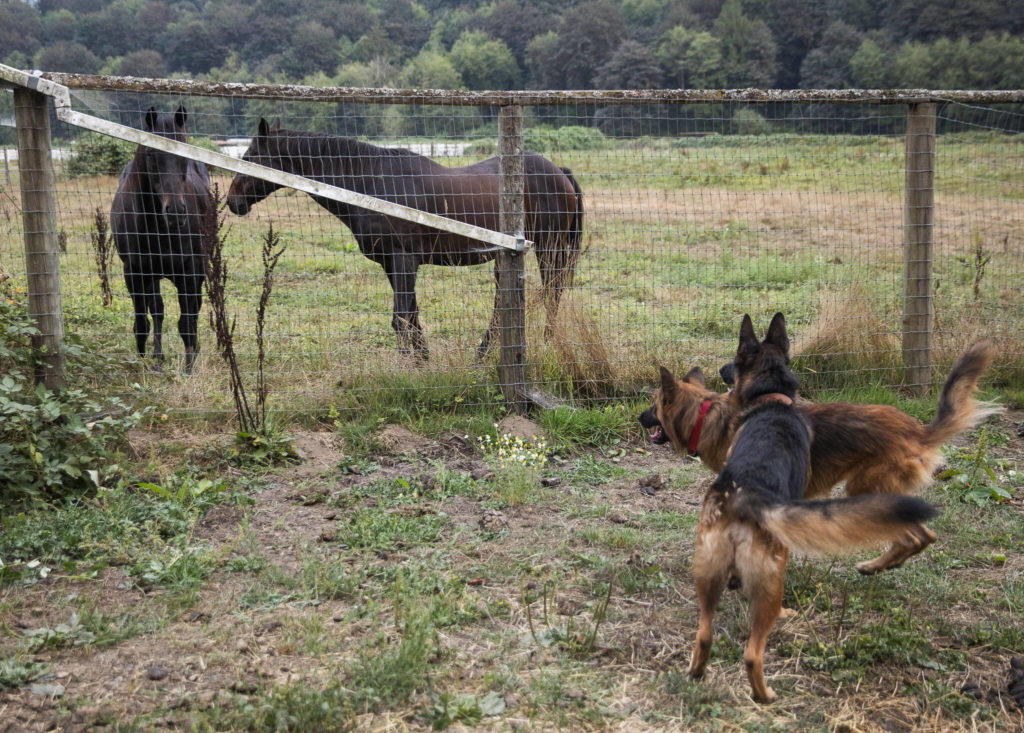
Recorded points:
53,443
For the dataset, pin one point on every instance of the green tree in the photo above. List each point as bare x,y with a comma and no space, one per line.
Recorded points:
541,59
632,66
484,62
313,48
67,56
869,65
20,28
827,66
146,63
671,52
588,35
748,48
516,24
704,62
431,70
59,25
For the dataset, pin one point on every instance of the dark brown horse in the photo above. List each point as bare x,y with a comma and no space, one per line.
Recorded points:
156,220
554,211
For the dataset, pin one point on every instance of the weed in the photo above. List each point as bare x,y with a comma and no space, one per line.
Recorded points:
16,673
104,252
388,674
974,472
381,530
579,638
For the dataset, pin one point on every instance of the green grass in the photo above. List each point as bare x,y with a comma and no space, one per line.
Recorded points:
682,238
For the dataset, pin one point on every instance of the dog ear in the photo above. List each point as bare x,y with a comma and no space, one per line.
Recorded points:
695,375
749,345
777,333
668,385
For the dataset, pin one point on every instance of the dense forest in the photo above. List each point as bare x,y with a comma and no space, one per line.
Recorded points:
524,44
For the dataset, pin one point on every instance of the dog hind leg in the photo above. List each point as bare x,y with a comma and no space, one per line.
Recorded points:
762,566
912,543
712,562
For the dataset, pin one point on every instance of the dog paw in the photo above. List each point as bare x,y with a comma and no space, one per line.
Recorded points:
867,567
768,698
787,613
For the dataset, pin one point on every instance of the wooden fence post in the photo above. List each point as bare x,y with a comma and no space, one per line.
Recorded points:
918,237
510,269
39,218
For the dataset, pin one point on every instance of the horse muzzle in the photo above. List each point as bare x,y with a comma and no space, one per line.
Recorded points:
238,205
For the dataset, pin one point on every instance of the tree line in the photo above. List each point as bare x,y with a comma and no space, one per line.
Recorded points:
530,44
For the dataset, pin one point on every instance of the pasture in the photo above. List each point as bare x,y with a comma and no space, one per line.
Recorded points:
400,576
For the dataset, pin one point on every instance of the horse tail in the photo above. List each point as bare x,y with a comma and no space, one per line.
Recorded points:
560,253
574,237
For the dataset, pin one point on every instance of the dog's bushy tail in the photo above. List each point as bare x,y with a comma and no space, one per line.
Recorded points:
842,526
958,409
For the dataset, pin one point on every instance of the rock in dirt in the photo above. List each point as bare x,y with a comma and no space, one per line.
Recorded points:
651,483
156,673
550,481
493,521
482,474
54,691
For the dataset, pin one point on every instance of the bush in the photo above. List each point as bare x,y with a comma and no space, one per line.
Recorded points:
571,137
93,154
748,122
52,444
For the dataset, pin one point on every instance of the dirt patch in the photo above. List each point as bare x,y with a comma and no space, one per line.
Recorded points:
398,439
521,427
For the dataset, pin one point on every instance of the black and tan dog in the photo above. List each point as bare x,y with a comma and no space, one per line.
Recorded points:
872,448
754,513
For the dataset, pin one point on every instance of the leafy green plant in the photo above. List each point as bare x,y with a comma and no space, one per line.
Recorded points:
93,154
14,673
53,443
975,472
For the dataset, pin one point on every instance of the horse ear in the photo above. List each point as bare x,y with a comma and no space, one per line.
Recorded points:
150,122
749,344
180,115
668,385
262,129
695,376
777,333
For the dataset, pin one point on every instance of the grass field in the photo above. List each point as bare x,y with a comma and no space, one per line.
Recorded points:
681,238
400,577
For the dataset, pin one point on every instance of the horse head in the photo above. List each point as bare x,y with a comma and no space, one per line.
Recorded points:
165,173
264,149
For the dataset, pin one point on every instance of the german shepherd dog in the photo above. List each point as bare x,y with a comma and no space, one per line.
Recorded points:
754,513
873,448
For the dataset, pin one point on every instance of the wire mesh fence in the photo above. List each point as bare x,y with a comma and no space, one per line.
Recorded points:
692,214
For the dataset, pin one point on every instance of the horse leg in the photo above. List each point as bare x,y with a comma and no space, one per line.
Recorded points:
190,301
155,302
492,329
137,288
405,319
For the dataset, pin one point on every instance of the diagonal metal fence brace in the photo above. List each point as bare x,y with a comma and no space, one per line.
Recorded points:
62,102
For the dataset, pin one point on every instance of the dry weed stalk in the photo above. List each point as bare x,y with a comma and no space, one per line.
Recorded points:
214,236
104,253
271,252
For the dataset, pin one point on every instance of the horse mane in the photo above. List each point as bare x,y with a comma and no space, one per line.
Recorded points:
329,146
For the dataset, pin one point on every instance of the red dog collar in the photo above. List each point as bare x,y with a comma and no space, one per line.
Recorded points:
695,435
